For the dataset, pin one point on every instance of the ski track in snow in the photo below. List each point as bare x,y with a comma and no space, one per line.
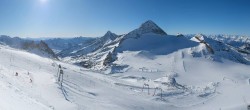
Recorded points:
85,89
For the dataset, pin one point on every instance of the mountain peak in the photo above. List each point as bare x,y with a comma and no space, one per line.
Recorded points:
110,35
149,23
149,26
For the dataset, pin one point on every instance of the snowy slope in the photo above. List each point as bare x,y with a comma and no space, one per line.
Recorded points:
205,82
200,83
218,50
150,70
155,44
187,82
241,43
34,88
81,89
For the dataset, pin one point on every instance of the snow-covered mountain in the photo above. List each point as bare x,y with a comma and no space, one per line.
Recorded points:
234,40
149,39
88,46
218,49
246,47
147,27
59,44
39,48
145,69
237,41
95,52
15,42
92,52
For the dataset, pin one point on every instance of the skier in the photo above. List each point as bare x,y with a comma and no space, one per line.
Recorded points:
60,66
59,69
60,78
16,74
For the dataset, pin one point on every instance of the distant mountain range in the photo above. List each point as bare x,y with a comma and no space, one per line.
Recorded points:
59,44
101,52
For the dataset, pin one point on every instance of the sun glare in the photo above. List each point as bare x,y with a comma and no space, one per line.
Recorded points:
43,1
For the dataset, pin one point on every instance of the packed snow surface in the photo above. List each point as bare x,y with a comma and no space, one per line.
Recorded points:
173,80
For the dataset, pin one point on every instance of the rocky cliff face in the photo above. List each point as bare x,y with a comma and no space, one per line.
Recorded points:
39,48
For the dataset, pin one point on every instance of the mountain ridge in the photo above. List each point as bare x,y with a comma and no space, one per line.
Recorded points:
39,48
145,38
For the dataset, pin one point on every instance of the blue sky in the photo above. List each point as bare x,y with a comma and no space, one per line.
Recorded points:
71,18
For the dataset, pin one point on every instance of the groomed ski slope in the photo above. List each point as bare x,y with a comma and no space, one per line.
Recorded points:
82,88
19,92
208,85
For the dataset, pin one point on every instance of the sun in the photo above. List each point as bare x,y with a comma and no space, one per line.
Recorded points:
43,1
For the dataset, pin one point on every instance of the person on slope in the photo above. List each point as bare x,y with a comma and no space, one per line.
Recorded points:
59,68
60,78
